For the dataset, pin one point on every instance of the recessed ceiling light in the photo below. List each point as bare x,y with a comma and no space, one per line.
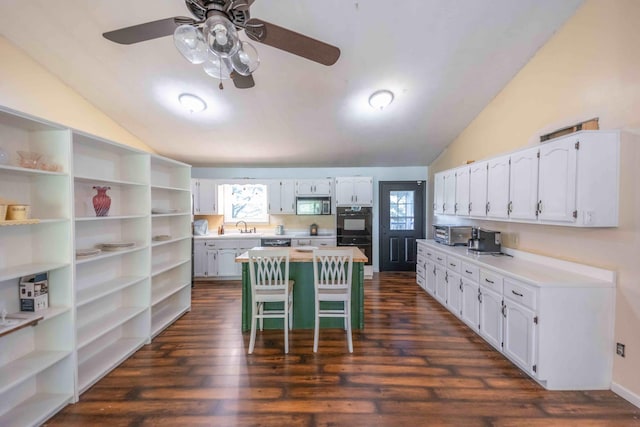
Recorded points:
380,99
191,102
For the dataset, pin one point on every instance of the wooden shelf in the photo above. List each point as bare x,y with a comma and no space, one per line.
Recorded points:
35,410
98,327
18,271
101,290
27,366
108,218
166,266
165,316
161,293
97,181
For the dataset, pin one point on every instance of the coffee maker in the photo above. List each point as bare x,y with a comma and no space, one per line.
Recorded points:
484,241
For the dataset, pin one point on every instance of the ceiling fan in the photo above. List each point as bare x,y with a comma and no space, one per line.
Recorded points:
211,39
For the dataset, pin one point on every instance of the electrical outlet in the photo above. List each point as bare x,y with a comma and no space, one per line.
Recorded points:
620,349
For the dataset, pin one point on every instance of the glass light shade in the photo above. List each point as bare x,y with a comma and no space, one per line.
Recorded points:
221,36
190,43
380,99
246,59
192,102
218,68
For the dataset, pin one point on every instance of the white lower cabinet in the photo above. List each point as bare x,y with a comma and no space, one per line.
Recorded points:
227,262
553,319
216,257
199,258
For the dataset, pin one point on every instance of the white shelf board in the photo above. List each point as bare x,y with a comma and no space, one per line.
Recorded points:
166,316
27,269
109,254
164,292
35,410
101,290
166,266
94,368
108,218
28,171
165,187
27,366
170,214
155,243
100,326
99,181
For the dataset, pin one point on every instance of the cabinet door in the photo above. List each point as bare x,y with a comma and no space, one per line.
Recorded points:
288,196
449,193
478,189
430,278
208,197
199,258
519,335
470,304
438,193
322,187
454,292
491,317
557,180
441,285
212,263
195,197
363,191
498,187
344,191
226,262
462,191
523,184
313,187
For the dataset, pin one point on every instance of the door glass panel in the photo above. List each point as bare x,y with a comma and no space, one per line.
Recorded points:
401,212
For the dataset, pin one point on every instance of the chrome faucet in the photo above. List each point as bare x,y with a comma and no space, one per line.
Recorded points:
245,227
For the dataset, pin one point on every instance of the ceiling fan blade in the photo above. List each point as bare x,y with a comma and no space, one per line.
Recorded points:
292,42
242,82
147,31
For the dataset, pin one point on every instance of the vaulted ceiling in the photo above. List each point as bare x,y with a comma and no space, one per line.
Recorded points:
443,59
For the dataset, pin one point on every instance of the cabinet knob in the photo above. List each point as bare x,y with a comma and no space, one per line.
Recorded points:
510,207
488,206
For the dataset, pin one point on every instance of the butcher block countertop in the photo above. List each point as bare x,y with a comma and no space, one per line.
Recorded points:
301,254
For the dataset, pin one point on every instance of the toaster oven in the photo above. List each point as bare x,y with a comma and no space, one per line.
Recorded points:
452,235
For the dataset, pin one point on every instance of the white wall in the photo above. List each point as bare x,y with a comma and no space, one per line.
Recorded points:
413,173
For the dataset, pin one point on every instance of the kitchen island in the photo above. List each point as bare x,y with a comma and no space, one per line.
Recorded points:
301,271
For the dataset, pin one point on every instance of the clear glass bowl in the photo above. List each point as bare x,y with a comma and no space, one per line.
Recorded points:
29,159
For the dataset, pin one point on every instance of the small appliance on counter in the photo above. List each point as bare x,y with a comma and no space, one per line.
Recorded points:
200,227
485,241
452,235
313,230
279,230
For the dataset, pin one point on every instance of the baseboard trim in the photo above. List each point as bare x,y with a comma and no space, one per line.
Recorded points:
626,394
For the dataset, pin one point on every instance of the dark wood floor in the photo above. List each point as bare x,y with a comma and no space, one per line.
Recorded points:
413,365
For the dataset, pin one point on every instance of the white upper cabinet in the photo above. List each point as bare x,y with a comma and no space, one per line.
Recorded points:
498,187
354,191
523,184
571,180
462,191
478,189
314,187
557,184
449,207
206,197
438,193
282,197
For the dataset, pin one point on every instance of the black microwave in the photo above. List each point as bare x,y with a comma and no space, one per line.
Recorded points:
313,206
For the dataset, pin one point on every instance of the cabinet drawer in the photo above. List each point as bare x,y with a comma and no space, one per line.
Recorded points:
453,263
421,250
519,292
420,270
421,261
491,280
470,271
420,281
439,258
211,244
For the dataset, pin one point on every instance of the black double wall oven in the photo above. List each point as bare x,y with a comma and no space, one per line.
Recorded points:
353,228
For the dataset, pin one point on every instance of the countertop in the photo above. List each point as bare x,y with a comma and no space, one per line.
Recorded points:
536,269
296,255
236,235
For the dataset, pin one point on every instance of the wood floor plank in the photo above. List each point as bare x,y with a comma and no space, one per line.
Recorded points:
414,364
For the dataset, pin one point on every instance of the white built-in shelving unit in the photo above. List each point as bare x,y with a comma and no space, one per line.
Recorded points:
101,308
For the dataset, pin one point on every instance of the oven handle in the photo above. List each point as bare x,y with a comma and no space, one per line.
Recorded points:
354,244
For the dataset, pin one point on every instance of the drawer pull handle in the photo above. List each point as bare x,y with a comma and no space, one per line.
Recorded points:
489,281
452,264
468,272
439,259
516,293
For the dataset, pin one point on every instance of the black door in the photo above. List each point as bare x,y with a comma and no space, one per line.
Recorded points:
402,221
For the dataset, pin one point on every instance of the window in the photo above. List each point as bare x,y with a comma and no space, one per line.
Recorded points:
245,202
401,213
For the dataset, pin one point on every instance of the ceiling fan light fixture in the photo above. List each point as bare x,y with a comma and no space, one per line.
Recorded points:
380,99
192,102
190,43
221,36
216,67
246,59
